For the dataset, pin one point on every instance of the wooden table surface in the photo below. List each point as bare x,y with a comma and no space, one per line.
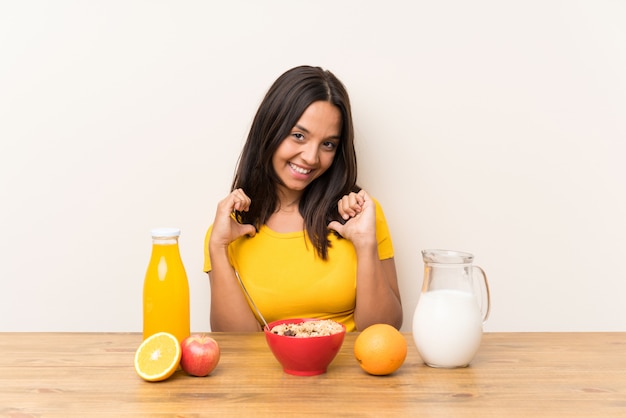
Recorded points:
513,375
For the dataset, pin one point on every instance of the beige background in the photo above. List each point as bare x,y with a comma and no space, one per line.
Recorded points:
494,127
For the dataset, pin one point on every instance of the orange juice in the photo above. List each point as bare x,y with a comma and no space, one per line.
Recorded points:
166,289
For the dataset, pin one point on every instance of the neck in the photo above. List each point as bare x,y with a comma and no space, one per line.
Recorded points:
288,201
287,207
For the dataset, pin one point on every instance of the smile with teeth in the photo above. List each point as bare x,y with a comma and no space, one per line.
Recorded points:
299,169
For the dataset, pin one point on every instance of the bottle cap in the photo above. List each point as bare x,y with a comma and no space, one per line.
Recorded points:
165,232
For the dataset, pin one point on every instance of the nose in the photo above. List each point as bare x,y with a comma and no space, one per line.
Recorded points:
310,153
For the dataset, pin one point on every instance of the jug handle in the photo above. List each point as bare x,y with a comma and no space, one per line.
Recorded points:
488,308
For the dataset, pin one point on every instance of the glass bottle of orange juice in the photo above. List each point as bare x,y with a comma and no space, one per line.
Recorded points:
165,288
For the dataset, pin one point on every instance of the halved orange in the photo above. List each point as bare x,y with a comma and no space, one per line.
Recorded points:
158,357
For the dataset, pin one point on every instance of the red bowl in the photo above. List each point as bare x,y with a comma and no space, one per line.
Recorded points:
303,356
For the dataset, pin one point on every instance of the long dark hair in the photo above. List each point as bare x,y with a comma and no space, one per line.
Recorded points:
283,105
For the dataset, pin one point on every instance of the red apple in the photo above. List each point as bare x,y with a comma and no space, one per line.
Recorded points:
200,355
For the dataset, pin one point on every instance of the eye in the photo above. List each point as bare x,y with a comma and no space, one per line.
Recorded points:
330,145
298,136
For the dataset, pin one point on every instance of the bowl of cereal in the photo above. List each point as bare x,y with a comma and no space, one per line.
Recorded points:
305,347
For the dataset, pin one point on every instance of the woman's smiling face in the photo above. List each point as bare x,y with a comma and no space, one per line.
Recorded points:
310,148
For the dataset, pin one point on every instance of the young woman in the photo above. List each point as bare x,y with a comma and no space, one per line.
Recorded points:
304,239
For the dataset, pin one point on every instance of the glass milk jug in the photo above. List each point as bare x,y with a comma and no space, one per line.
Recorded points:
166,289
452,307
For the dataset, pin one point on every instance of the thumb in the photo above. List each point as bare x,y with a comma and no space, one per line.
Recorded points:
336,226
248,229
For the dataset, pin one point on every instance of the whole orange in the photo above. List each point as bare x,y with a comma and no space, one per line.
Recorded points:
380,349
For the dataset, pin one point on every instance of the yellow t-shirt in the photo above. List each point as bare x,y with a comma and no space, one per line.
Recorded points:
286,278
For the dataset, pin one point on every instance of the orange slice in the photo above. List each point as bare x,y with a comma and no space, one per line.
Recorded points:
158,357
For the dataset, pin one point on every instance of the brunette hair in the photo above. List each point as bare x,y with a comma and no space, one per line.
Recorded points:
283,105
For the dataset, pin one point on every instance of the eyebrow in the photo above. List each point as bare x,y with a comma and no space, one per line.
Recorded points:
302,128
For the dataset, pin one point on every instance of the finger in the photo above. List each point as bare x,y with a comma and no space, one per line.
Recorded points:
240,194
240,201
360,197
343,205
240,205
354,202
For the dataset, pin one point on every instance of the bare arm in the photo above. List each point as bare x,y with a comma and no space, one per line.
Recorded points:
377,293
230,311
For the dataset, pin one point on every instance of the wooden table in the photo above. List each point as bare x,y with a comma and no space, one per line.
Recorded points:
514,374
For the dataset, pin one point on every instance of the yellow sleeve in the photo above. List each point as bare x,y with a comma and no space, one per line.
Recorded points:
207,259
383,236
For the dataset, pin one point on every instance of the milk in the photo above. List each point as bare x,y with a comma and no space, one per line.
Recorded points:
447,328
